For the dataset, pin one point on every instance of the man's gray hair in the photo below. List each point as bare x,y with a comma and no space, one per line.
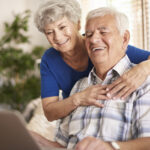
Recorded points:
121,19
53,10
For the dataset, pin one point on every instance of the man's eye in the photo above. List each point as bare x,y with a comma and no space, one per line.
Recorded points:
103,32
88,35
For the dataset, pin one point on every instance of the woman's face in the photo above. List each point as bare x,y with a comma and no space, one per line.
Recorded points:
62,34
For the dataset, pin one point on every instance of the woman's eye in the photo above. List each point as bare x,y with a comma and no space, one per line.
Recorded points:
62,27
48,33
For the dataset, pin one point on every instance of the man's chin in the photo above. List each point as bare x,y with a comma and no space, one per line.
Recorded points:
99,60
100,63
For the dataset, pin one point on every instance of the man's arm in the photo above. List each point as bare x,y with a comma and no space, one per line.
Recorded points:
43,142
97,144
137,144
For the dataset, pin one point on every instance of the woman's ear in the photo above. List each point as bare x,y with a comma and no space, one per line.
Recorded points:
126,38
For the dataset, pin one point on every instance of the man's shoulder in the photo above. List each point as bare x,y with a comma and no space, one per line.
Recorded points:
146,85
144,89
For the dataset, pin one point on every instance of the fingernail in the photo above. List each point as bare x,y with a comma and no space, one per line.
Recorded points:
122,98
114,98
107,89
102,105
108,95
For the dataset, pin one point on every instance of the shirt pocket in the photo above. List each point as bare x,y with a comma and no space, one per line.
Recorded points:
115,122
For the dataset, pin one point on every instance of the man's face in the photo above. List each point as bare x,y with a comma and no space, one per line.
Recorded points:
103,41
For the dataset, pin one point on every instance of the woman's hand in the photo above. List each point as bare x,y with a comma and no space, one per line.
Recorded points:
90,95
129,82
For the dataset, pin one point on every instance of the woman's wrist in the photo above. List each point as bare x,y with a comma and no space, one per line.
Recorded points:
146,67
75,100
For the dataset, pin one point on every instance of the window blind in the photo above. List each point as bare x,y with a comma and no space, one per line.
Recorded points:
146,23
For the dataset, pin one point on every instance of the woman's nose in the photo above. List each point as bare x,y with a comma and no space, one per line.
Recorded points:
57,36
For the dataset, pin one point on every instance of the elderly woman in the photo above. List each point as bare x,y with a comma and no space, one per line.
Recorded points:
67,61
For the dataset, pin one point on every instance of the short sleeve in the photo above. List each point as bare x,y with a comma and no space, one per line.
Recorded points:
49,86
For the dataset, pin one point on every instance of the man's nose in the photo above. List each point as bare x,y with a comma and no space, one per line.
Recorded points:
96,38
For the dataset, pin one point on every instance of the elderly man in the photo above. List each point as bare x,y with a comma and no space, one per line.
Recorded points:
120,124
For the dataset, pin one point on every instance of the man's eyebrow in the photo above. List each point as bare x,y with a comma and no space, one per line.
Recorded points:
102,28
88,31
99,28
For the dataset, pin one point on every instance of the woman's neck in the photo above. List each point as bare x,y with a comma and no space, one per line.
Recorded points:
78,57
79,50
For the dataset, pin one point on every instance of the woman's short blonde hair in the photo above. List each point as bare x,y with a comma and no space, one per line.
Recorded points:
54,10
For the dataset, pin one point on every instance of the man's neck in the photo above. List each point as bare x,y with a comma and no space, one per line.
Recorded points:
103,68
101,71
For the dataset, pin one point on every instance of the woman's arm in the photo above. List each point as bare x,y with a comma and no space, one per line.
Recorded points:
129,81
137,55
55,109
51,83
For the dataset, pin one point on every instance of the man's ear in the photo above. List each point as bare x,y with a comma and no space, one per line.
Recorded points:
126,38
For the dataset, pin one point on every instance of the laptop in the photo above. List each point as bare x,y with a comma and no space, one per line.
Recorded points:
14,135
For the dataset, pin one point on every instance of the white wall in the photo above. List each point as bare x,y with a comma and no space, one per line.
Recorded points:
10,7
7,8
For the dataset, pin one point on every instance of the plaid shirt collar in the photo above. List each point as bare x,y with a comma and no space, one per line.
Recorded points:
121,67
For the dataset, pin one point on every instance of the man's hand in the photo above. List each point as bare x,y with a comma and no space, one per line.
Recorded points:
92,143
90,95
130,81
